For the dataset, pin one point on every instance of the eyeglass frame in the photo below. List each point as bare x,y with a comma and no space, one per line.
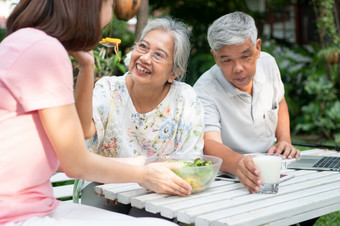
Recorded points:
153,53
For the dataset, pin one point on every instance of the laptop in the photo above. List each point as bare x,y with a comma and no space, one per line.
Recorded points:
309,162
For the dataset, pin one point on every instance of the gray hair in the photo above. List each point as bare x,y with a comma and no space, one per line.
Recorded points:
180,34
233,28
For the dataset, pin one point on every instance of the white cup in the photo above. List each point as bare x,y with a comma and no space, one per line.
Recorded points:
270,169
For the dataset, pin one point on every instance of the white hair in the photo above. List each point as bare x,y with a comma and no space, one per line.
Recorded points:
180,34
233,28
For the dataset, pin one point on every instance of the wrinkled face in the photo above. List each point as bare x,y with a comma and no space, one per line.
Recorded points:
106,12
238,63
152,60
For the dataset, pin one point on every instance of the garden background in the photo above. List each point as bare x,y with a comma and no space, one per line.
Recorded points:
307,55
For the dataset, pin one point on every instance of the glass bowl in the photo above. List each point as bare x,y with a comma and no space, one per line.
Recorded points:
198,176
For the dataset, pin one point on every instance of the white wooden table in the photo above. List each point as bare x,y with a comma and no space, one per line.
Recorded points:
308,195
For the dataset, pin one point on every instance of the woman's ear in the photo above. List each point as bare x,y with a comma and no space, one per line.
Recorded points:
174,75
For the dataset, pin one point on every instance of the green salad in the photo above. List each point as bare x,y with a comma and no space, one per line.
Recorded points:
197,162
198,176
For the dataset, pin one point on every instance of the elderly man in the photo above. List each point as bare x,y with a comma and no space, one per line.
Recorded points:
243,100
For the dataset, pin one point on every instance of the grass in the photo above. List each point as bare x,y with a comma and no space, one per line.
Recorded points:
332,219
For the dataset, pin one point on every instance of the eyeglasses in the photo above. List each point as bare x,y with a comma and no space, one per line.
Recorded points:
156,56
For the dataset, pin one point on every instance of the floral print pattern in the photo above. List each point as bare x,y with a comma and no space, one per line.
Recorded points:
174,126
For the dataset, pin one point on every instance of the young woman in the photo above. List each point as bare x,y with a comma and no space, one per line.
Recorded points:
39,125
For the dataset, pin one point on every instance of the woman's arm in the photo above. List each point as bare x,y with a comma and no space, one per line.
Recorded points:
84,91
63,129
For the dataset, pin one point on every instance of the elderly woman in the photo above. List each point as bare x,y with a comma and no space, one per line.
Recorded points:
148,111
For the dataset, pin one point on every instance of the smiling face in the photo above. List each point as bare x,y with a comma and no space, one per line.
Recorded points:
238,63
143,68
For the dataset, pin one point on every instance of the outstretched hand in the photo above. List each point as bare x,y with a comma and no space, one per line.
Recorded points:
160,179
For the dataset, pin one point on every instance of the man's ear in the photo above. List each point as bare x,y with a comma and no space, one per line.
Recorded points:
215,57
258,47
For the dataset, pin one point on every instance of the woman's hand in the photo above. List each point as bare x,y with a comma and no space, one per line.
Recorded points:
160,179
85,59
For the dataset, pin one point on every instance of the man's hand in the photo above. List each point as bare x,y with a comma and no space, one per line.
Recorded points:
248,174
286,149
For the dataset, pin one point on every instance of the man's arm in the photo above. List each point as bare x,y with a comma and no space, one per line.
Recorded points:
284,145
283,125
233,162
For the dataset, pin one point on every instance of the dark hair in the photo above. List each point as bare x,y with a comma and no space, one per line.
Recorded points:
75,23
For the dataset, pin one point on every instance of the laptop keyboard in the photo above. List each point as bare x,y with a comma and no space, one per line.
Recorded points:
328,162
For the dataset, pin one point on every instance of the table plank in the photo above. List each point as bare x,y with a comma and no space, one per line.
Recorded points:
305,216
171,210
284,209
112,192
210,211
274,200
215,187
139,202
125,197
187,214
99,190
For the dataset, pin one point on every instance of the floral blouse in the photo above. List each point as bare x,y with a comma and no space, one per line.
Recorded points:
175,126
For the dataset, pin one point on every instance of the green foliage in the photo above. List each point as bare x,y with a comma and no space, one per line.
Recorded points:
321,116
328,51
107,62
2,33
198,64
120,29
295,64
326,22
331,219
312,99
199,14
